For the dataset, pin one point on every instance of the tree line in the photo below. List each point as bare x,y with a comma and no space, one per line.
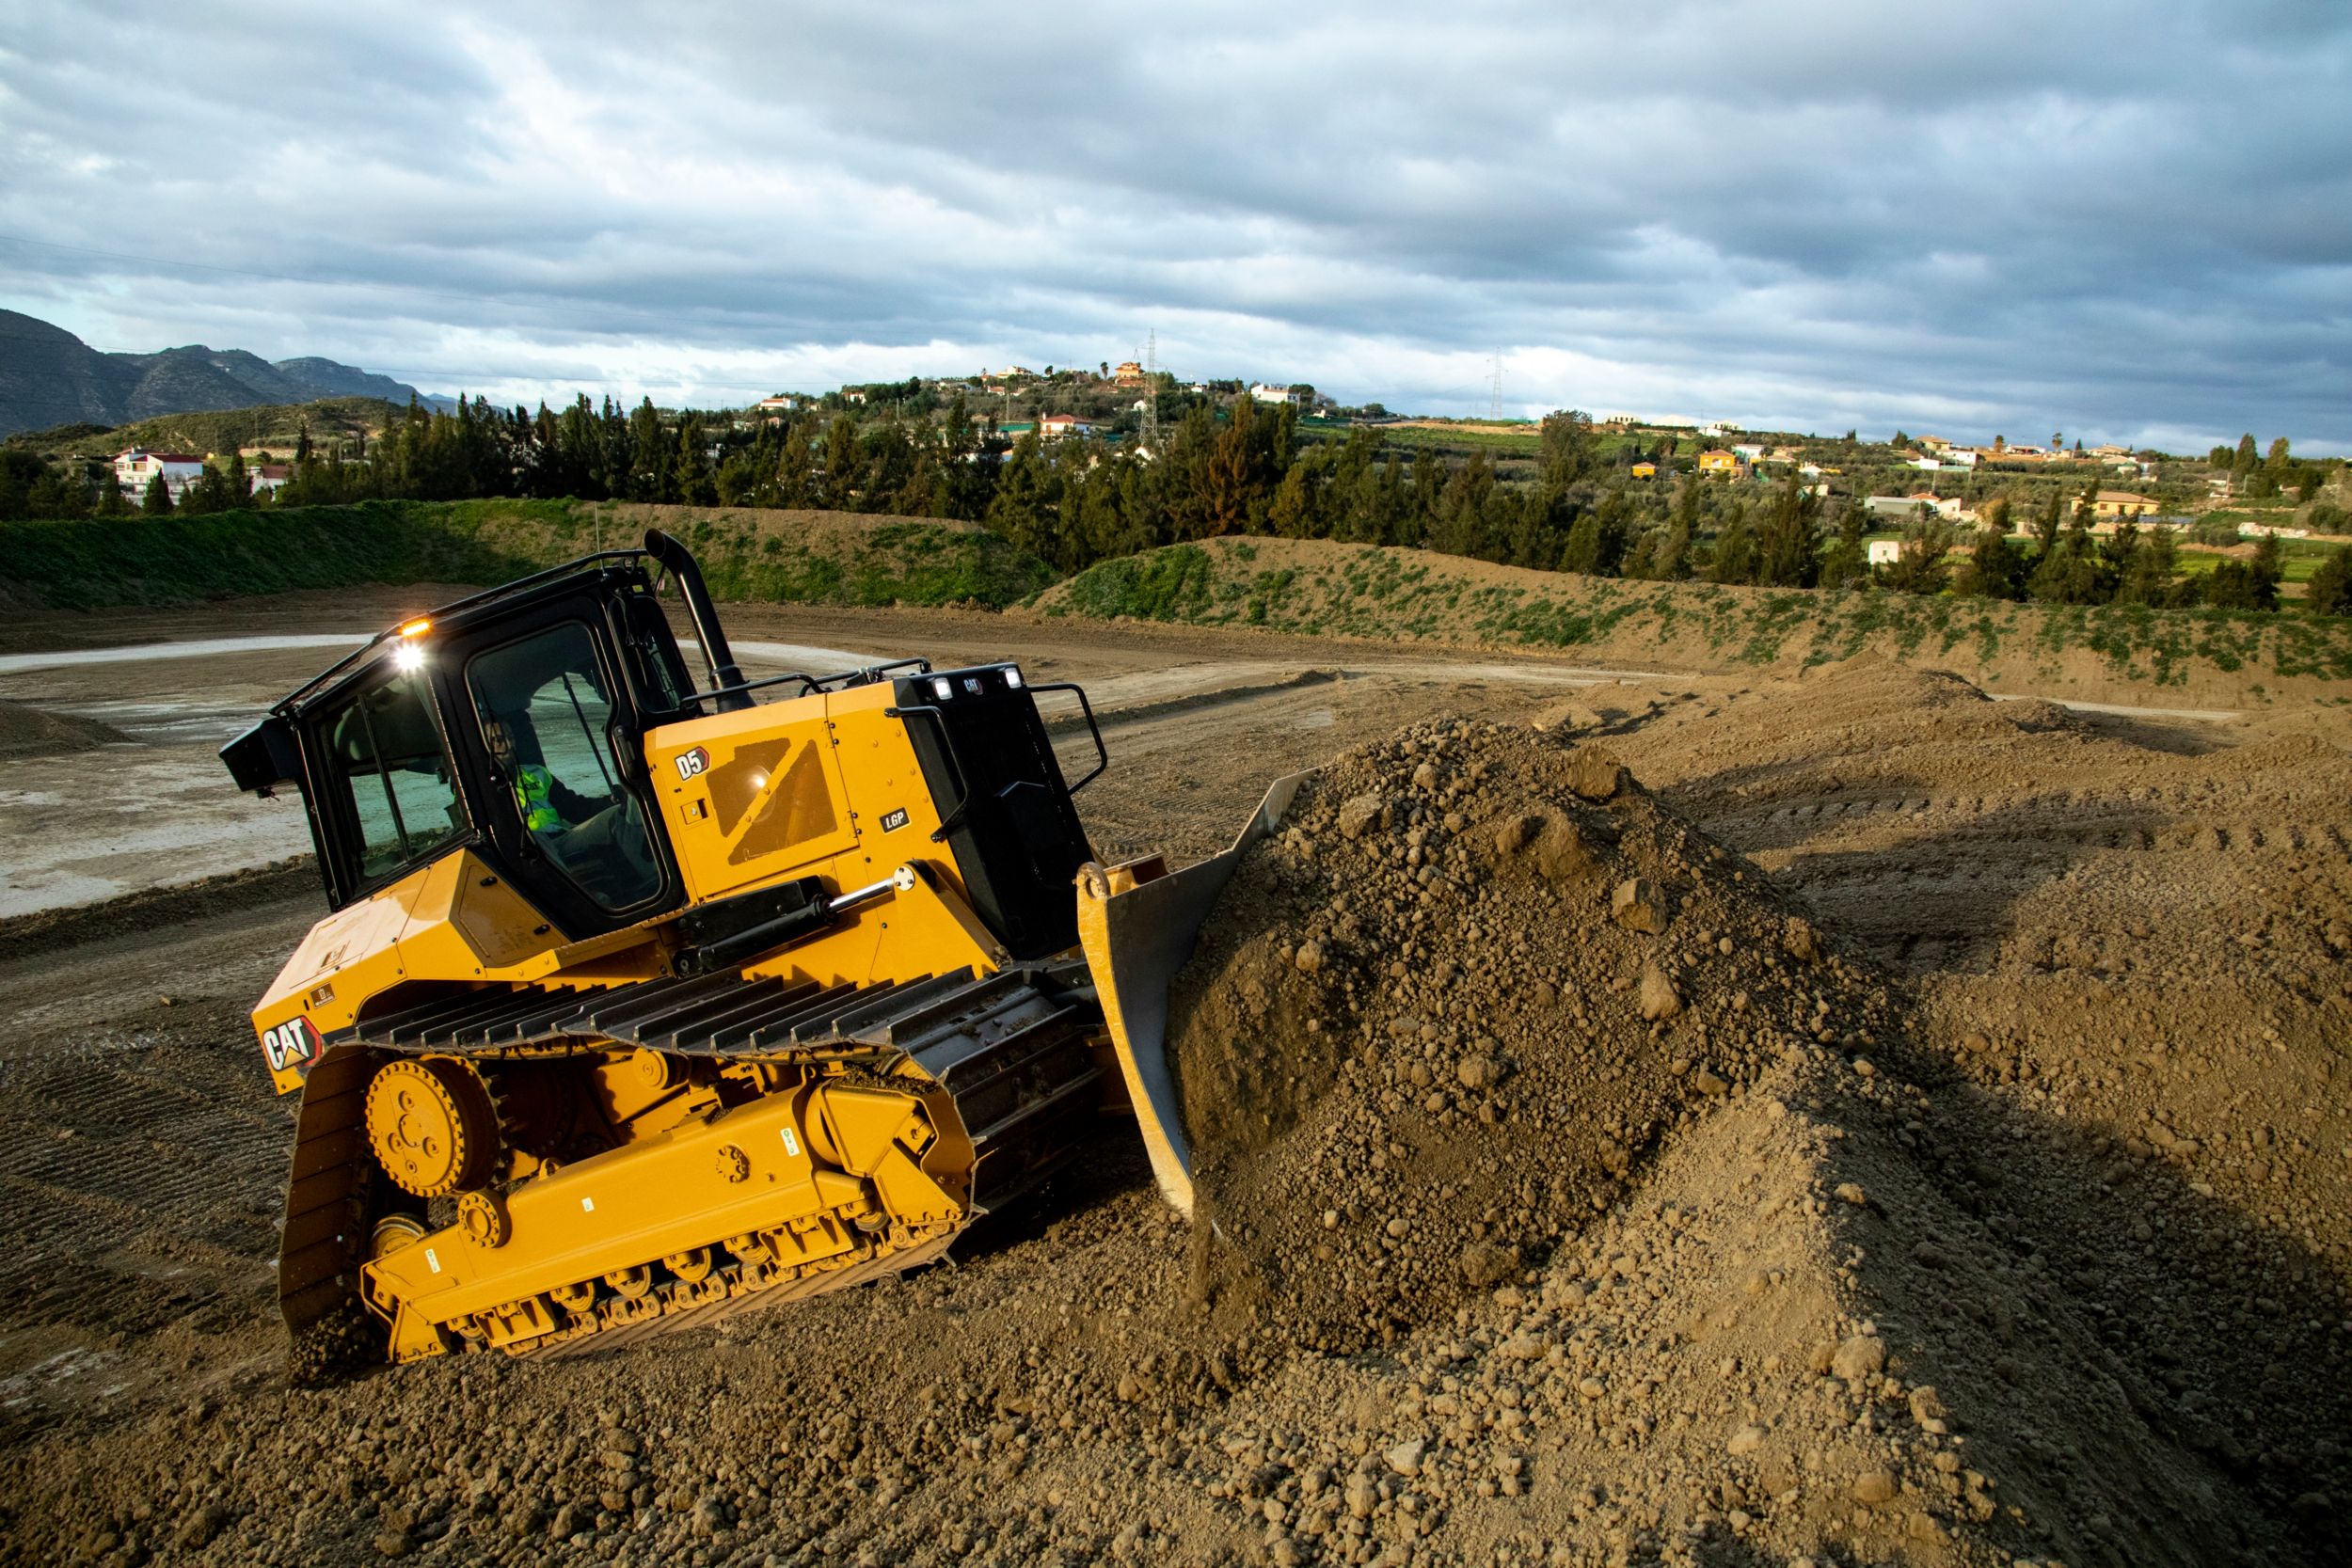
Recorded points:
1241,468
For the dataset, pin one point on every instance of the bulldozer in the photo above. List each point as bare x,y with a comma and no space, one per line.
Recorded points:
644,999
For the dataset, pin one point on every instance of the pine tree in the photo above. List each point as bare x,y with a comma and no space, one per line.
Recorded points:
2330,589
156,502
1733,559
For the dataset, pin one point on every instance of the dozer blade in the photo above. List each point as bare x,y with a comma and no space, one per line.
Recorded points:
1137,937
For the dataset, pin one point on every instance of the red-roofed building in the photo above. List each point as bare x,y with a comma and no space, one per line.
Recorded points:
136,468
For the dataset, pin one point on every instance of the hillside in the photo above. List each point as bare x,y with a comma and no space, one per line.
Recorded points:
2126,654
50,378
270,426
829,558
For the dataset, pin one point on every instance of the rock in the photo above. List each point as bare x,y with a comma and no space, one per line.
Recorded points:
1638,905
1800,941
1309,958
1478,1072
1874,1487
1848,1191
1363,1496
1592,1388
1406,1458
1425,776
1360,814
1745,1441
1515,833
1485,1266
1709,1083
1861,1357
1593,774
1927,1405
394,1542
1659,1000
1524,1346
1561,853
201,1526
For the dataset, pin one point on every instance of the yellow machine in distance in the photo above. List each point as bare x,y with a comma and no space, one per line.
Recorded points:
638,1002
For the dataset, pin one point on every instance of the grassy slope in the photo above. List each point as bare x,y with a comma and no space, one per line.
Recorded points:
813,557
1398,594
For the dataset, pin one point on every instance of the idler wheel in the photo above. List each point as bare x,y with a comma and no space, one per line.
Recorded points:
432,1126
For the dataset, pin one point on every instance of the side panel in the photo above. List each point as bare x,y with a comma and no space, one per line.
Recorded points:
454,920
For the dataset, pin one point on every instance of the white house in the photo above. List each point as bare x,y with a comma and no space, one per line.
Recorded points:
1054,427
1749,452
1928,462
1960,457
782,402
1884,552
136,468
1907,507
1261,392
265,478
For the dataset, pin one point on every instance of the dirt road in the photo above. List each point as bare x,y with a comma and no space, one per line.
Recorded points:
2122,942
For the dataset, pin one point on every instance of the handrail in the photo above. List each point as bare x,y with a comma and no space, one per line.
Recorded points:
1102,753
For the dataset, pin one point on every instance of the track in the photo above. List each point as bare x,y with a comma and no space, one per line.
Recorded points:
1012,1052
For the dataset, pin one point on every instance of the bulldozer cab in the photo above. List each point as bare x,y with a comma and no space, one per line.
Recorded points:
512,724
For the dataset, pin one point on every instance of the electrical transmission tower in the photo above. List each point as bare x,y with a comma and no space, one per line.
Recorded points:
1494,406
1152,392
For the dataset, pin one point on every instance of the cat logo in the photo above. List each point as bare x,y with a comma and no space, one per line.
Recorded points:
293,1044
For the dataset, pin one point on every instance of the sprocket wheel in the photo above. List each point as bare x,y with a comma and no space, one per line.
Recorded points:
432,1126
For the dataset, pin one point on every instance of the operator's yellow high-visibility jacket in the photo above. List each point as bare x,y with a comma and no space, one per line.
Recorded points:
533,790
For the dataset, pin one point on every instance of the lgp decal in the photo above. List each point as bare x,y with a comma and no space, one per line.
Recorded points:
894,820
293,1044
691,763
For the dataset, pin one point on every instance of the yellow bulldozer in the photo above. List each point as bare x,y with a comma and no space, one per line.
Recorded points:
644,1000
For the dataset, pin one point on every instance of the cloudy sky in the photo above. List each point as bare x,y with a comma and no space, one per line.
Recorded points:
2122,221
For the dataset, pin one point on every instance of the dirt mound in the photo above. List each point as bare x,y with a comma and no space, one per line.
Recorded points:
1436,1024
31,732
1798,1340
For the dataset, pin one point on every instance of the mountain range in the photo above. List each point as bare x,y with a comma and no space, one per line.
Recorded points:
49,377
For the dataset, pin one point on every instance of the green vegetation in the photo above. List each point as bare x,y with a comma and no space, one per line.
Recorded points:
745,556
1394,595
352,422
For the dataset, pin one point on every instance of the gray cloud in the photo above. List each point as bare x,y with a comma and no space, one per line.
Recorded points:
2122,221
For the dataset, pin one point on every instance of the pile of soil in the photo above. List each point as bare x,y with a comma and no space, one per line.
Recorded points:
1438,1023
36,732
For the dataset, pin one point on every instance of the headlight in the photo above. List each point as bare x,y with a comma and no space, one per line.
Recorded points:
943,688
408,655
1013,680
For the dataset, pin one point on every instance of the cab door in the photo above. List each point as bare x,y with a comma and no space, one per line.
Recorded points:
556,744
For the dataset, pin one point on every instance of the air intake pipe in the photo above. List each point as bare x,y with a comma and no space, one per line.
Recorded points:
727,676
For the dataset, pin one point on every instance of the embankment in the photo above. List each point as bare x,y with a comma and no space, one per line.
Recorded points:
2124,654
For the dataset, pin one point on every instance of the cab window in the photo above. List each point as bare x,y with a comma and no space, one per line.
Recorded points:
389,767
547,721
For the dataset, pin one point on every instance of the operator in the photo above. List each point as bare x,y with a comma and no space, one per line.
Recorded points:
596,840
549,807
